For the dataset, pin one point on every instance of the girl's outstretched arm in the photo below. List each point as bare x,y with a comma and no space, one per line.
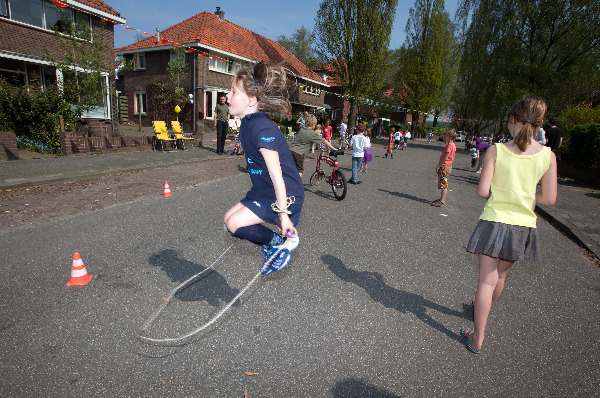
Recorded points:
548,195
272,161
485,180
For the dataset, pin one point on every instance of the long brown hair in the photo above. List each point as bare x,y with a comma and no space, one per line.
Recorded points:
269,84
529,110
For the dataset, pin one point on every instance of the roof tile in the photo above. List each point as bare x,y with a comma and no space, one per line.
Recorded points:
206,28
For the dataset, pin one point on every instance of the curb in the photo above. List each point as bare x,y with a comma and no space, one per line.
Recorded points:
579,237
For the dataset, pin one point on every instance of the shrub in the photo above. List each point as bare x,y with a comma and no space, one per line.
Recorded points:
33,114
584,149
569,120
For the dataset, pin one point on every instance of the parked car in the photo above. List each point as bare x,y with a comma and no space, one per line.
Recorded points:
486,138
460,136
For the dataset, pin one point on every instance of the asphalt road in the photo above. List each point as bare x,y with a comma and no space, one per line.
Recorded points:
370,305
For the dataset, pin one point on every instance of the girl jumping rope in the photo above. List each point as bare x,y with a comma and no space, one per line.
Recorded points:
507,231
277,194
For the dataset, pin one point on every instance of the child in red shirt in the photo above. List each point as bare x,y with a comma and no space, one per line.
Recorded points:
444,166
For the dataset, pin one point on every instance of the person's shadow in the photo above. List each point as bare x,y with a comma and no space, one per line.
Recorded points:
406,196
390,297
215,290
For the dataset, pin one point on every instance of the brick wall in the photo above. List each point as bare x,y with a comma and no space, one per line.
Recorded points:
8,146
72,143
35,41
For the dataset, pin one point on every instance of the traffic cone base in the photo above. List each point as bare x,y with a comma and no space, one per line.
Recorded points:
167,190
79,275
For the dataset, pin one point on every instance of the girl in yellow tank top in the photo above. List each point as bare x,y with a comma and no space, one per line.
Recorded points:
507,231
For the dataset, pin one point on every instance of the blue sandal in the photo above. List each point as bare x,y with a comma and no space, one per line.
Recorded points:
467,342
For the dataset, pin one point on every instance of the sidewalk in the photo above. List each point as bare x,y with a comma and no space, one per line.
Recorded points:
576,213
30,172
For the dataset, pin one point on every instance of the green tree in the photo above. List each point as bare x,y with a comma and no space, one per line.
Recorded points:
546,47
356,36
301,44
451,54
422,56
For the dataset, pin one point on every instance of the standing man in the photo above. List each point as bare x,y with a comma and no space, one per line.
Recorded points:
554,137
222,124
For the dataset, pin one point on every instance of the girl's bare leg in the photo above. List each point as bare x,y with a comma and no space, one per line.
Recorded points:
488,280
503,268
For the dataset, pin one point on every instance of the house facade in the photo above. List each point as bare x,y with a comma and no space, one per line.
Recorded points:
338,106
28,40
215,49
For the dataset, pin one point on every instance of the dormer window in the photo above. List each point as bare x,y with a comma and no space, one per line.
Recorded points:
223,64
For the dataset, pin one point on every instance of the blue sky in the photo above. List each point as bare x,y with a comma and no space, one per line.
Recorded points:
269,18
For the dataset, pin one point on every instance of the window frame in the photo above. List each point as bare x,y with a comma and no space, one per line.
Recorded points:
136,60
232,66
144,102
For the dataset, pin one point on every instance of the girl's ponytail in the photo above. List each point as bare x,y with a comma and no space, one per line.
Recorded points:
529,110
523,139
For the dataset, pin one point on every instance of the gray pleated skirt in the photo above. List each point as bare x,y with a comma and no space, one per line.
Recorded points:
504,241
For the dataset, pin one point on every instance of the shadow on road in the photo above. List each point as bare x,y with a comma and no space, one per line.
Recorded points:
390,297
215,290
358,388
406,196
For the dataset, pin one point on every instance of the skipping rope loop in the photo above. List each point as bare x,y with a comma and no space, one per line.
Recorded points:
180,340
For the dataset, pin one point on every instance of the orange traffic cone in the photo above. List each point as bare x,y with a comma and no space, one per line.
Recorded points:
79,275
167,191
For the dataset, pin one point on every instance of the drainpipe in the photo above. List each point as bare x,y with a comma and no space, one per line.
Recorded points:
194,92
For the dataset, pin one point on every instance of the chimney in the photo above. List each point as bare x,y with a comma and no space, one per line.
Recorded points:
220,14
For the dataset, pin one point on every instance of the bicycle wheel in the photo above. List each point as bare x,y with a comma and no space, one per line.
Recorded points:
316,178
338,185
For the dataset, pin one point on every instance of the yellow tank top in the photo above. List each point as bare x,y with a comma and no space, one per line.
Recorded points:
513,187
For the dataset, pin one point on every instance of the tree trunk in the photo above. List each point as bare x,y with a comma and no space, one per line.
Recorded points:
353,112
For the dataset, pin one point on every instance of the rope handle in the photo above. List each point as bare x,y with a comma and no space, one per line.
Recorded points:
277,209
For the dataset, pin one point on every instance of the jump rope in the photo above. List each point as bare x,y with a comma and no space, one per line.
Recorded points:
180,340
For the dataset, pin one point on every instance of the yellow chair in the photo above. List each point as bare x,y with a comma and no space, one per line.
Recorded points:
178,134
160,128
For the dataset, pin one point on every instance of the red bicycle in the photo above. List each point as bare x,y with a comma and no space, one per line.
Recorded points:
336,179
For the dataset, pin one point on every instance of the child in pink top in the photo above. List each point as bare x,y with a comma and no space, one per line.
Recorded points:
444,166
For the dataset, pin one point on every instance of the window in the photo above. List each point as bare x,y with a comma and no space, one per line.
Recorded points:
223,64
60,19
4,8
139,95
83,25
312,89
139,62
28,11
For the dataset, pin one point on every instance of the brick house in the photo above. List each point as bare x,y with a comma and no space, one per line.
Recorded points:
215,50
338,107
27,34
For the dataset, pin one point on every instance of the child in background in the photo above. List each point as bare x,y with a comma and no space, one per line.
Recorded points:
368,157
473,152
444,167
397,139
276,195
407,136
390,147
357,144
327,130
303,141
507,231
